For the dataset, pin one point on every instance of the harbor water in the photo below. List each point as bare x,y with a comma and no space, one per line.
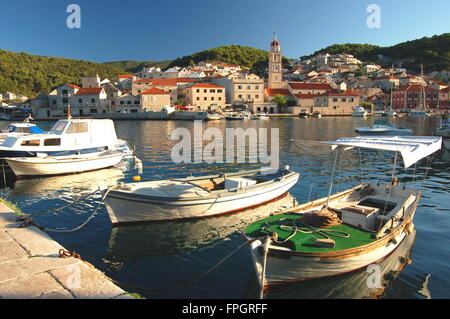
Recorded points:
166,254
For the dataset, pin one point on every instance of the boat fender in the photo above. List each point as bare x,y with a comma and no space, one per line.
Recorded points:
137,178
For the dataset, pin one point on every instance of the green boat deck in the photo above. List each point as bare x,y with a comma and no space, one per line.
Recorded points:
288,224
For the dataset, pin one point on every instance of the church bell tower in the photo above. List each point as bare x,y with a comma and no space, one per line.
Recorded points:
275,65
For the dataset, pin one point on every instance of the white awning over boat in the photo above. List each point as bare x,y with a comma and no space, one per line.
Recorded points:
412,148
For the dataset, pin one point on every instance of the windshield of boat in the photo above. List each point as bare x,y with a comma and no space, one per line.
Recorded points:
58,128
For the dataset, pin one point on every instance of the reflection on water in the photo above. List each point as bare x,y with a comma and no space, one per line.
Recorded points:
166,254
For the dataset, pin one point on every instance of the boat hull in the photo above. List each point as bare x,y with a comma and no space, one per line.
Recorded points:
124,208
282,269
23,168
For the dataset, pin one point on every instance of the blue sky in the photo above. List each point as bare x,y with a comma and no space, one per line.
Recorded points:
157,30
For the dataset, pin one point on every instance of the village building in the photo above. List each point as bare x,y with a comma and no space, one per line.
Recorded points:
241,88
414,96
205,96
154,99
336,103
169,85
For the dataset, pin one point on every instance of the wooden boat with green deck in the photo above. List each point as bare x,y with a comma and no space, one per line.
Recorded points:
344,232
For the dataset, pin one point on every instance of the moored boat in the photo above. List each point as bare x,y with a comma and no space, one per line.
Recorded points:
303,115
63,164
65,136
260,116
196,197
380,129
343,232
359,111
213,117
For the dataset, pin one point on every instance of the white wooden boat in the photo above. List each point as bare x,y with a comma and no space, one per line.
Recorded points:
359,111
66,135
379,129
63,164
196,197
369,221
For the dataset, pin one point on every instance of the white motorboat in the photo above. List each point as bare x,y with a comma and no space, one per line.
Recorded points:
359,111
379,113
63,164
260,116
65,136
390,113
213,117
343,232
380,129
195,197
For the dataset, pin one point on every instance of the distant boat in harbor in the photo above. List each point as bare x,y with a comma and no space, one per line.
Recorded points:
214,117
380,129
359,111
303,115
260,116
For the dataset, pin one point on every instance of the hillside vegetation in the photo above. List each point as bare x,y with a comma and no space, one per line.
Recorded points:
432,52
136,66
33,74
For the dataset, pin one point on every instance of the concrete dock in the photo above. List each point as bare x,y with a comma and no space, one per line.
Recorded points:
31,268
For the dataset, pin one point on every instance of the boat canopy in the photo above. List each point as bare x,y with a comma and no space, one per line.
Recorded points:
412,148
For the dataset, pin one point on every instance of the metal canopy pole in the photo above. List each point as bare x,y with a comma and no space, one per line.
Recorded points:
332,177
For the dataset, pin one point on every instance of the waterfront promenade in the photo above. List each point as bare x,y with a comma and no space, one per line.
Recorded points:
30,267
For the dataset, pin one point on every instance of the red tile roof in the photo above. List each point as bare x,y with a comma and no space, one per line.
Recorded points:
73,86
415,87
306,86
154,91
346,93
125,76
273,92
85,91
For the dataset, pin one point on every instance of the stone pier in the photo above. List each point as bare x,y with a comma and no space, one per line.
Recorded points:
30,267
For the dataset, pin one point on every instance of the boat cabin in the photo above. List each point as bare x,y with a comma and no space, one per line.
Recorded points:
65,135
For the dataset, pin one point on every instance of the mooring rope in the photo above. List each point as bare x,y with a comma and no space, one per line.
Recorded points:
28,221
94,213
77,200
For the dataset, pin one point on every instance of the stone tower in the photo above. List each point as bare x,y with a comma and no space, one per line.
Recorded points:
275,66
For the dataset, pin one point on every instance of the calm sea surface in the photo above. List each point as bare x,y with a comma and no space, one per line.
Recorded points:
167,254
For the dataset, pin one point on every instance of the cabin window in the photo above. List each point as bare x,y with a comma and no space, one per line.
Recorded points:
31,143
52,142
58,127
81,127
